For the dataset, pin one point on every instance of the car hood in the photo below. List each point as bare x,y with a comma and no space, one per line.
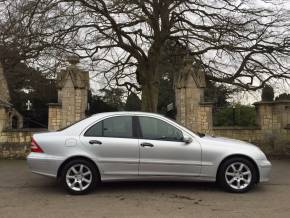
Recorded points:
225,141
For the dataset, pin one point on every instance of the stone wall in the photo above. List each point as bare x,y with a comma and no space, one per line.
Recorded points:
54,116
204,118
3,118
271,142
15,144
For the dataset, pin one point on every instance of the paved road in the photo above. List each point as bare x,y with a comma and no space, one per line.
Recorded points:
23,194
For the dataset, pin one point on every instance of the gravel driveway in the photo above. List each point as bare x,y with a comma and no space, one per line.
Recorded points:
23,194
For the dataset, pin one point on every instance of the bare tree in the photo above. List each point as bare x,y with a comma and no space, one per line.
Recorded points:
244,43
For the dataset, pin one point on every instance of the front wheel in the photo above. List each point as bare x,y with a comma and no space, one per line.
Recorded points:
237,175
79,177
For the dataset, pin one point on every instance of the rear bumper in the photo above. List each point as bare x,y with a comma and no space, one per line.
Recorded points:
265,170
44,164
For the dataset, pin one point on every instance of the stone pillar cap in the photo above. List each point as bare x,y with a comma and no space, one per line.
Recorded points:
73,59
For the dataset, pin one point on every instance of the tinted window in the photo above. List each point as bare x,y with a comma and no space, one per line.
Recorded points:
120,127
156,129
95,130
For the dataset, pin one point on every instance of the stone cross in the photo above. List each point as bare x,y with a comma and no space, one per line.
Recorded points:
28,105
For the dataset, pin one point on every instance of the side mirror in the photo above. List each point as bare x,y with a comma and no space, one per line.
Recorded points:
187,139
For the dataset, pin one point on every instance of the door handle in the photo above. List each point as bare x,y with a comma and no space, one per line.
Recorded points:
92,142
146,144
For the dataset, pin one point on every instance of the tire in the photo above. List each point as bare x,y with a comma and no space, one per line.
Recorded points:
237,175
79,177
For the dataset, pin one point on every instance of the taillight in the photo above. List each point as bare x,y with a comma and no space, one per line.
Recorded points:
35,147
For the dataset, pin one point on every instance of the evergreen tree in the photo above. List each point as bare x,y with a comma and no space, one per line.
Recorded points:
133,103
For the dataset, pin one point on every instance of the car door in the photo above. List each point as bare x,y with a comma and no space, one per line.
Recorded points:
163,151
114,145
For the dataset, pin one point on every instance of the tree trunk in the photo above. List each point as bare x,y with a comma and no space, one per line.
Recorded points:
150,79
150,93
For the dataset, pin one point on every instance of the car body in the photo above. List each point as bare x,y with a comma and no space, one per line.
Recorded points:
144,146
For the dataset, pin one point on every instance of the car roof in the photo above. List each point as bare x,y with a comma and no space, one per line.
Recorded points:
126,113
76,127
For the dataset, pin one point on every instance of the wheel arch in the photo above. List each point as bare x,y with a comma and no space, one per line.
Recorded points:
78,157
240,156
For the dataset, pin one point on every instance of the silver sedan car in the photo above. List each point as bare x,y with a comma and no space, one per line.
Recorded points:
143,146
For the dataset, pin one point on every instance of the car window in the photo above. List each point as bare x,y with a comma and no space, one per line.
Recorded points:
95,130
156,129
120,127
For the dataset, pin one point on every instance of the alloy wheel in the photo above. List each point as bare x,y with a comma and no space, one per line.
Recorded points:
238,176
79,177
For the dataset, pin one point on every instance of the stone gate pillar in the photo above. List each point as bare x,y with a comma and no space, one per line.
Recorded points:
73,85
273,117
4,91
192,111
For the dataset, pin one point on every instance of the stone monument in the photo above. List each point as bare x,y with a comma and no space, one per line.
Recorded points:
192,111
73,86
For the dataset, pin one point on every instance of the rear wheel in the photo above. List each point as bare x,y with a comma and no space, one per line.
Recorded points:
79,177
237,175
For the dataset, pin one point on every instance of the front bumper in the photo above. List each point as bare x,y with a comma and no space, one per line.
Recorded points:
265,170
44,164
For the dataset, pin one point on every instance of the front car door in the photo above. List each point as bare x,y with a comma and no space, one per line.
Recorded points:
115,146
163,151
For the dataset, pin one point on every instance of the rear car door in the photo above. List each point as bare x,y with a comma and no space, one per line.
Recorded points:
163,151
114,145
